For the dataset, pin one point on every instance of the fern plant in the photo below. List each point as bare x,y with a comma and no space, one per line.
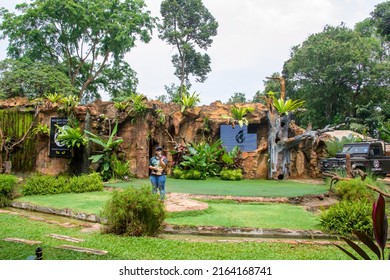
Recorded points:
285,106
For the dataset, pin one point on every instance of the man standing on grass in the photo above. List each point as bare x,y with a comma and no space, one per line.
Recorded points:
157,165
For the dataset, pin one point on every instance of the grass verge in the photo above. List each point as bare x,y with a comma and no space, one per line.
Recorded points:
127,248
257,215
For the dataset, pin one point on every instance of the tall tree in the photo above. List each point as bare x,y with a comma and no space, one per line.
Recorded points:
188,25
88,38
381,17
334,71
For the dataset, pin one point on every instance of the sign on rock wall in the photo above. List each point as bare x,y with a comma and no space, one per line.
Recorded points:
57,149
238,136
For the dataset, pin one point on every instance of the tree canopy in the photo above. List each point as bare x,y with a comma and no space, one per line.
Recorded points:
237,97
26,79
337,72
87,39
188,25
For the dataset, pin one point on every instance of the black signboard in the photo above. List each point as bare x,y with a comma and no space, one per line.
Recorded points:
57,149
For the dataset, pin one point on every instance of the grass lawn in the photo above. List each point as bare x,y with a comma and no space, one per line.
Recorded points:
131,248
254,215
220,213
89,202
264,188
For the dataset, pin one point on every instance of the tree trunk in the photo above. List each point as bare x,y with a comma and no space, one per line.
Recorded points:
279,155
87,149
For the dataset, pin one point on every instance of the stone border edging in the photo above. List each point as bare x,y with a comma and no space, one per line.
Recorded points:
247,232
60,212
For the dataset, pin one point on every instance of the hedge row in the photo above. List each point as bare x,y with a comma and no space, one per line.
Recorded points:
43,184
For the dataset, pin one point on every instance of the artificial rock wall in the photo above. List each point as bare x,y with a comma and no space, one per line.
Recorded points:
141,134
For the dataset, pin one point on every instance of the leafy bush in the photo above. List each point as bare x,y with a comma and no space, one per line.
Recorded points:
44,184
134,212
204,158
233,159
231,175
178,173
86,183
7,187
353,190
193,175
347,217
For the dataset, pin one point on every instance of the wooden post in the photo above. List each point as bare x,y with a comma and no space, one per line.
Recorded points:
348,166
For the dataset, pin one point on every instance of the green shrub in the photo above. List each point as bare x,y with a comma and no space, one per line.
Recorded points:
353,190
348,216
7,188
134,212
231,175
193,174
86,183
177,173
45,184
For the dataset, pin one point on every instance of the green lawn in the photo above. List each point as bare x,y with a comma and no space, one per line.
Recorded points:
248,215
220,213
128,248
89,202
264,188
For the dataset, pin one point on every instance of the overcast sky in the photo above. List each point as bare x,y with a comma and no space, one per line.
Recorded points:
254,40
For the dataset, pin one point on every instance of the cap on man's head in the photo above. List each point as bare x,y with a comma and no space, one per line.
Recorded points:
159,148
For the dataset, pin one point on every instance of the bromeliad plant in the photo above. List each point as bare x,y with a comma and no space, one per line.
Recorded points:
380,225
238,115
285,106
188,100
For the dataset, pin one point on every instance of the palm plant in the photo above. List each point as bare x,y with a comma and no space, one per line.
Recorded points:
285,106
